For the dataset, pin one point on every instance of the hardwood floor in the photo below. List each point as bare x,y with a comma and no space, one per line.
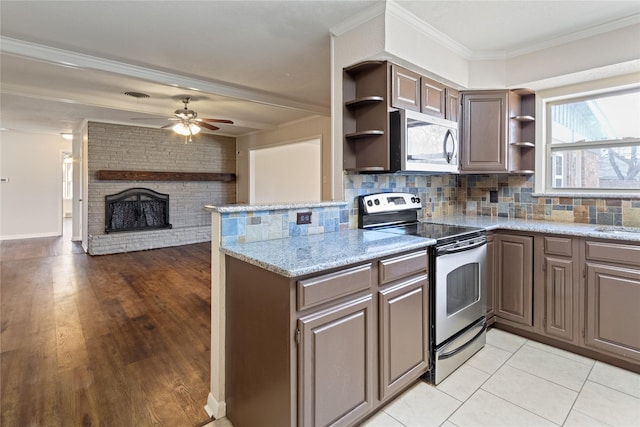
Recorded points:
115,340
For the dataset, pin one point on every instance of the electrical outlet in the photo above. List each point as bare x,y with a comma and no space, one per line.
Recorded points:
303,218
493,196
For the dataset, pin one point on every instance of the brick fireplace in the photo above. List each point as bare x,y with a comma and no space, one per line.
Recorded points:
114,147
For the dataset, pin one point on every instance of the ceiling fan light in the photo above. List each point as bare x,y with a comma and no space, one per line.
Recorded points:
186,130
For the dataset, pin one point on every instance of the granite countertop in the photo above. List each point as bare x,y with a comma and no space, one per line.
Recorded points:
572,229
273,206
302,255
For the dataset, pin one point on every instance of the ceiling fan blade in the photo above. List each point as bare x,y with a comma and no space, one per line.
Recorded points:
208,126
170,125
216,121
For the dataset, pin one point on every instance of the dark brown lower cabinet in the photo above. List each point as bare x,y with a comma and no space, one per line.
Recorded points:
560,299
404,347
336,359
613,309
325,349
515,278
560,278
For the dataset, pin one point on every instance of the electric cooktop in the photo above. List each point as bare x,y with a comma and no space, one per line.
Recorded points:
439,232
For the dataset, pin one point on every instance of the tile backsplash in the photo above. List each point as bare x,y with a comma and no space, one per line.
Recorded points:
446,195
262,225
516,200
437,192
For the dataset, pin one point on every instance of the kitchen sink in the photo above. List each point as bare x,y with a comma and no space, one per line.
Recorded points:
617,229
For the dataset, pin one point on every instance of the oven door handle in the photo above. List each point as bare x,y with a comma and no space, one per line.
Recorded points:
451,249
465,345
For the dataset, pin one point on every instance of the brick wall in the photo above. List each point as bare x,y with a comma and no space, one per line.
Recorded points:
118,147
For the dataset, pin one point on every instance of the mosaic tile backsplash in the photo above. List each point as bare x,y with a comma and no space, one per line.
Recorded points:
437,192
515,200
445,195
509,196
277,224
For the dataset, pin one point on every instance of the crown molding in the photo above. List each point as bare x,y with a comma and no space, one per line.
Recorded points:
396,10
357,20
77,60
578,35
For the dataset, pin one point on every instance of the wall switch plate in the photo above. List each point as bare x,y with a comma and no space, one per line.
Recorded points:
303,218
493,196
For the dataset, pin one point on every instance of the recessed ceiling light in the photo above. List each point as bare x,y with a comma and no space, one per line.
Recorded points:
137,94
67,136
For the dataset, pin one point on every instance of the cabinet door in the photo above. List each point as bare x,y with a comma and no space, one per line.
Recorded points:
433,98
405,89
484,129
490,278
560,298
452,104
612,318
515,278
404,334
336,364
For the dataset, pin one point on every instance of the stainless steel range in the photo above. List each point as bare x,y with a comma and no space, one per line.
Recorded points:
457,265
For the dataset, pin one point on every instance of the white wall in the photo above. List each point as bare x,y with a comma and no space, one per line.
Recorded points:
31,202
315,127
286,173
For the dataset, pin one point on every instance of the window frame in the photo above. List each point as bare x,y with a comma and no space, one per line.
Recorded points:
545,173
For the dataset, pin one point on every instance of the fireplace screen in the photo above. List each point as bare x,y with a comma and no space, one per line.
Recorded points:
136,209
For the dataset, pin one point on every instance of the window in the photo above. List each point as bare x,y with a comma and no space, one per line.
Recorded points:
593,143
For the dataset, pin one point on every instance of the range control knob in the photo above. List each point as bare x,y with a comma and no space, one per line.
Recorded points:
377,202
417,199
369,203
413,200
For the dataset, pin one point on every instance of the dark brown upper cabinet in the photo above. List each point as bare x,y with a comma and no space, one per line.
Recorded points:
412,91
433,98
369,90
405,88
498,131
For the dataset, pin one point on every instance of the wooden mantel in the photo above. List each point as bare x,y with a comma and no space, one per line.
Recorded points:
113,175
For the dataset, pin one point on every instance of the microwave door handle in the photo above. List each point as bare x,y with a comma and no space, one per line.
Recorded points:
448,154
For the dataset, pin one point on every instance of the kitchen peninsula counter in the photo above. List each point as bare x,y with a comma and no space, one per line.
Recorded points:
302,255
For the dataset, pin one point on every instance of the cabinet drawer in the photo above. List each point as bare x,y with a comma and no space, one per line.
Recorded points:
613,252
402,266
557,246
317,290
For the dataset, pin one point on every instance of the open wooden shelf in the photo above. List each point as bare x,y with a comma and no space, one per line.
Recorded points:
525,118
364,134
118,175
363,101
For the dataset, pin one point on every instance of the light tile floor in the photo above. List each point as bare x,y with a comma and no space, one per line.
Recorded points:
512,382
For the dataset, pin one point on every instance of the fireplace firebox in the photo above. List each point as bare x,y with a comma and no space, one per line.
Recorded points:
136,209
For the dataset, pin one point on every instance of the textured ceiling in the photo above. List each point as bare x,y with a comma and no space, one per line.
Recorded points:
258,63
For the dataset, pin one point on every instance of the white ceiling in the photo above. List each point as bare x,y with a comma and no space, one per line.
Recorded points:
258,63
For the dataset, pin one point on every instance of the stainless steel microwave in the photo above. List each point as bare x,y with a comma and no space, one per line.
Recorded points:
423,143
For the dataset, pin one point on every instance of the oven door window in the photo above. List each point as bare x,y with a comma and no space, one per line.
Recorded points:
463,287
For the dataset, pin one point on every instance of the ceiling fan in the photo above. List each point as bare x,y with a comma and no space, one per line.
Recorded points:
188,123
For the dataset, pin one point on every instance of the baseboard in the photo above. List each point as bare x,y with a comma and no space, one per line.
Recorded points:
215,409
31,236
